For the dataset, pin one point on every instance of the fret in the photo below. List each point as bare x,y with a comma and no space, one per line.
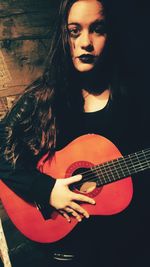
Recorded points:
133,163
122,167
138,160
105,173
115,170
148,163
110,172
100,175
126,167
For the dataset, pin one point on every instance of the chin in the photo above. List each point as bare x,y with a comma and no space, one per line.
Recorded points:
84,67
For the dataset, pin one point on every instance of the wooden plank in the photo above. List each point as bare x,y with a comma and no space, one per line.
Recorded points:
28,4
5,76
12,7
25,28
21,62
4,248
12,91
5,105
26,19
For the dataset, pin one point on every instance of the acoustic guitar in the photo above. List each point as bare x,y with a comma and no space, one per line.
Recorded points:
106,178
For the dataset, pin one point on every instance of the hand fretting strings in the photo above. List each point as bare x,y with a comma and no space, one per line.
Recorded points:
118,168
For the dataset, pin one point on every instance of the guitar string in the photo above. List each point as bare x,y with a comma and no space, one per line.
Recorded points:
122,166
124,162
109,180
103,181
131,169
112,176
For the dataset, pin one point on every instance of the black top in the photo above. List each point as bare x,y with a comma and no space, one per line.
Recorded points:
119,237
120,121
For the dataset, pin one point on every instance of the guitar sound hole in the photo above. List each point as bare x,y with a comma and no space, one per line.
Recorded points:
88,182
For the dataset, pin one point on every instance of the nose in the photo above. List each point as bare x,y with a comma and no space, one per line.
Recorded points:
86,42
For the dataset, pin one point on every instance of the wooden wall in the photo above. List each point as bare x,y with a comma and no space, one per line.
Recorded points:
25,29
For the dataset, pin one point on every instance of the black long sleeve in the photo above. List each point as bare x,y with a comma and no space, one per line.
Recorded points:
29,183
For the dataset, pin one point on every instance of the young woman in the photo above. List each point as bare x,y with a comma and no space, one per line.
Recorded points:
77,94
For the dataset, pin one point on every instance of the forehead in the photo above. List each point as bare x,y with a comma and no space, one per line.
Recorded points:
85,11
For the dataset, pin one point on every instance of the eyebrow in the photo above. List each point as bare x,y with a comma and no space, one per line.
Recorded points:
97,21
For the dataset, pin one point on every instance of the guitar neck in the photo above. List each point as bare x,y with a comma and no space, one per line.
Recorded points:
122,167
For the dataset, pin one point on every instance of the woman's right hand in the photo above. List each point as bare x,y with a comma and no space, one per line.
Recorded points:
66,201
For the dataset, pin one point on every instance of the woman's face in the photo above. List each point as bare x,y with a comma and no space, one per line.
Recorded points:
87,37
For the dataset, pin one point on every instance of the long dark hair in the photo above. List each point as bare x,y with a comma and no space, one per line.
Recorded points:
33,122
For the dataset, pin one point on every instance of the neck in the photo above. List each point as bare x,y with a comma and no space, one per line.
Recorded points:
94,102
94,88
93,82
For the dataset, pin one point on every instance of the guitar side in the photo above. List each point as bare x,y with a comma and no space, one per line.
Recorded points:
83,151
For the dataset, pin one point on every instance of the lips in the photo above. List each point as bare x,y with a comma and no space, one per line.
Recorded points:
87,58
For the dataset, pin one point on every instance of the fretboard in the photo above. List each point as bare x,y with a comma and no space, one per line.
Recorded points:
122,167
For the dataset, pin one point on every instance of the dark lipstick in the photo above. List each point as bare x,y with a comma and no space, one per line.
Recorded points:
87,58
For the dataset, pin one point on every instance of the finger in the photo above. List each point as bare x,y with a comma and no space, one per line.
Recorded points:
83,198
79,209
73,179
74,214
65,215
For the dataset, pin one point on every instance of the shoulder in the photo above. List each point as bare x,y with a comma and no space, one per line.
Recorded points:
22,109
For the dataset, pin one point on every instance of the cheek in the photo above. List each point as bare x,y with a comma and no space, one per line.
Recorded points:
100,44
72,47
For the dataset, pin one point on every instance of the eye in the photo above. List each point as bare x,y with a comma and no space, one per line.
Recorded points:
74,32
99,29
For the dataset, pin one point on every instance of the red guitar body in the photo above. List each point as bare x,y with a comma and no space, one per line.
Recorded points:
84,152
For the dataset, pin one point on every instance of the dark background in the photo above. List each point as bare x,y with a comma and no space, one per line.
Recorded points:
132,20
